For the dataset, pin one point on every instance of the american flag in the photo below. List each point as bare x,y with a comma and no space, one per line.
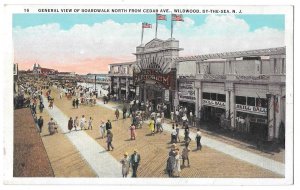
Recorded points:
161,17
177,17
146,25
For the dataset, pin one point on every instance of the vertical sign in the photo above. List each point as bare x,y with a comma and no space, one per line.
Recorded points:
137,91
167,95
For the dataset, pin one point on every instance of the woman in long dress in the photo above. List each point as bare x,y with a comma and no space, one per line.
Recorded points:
125,165
177,168
102,129
132,132
151,126
70,124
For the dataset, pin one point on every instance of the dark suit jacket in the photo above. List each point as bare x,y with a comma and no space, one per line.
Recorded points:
132,159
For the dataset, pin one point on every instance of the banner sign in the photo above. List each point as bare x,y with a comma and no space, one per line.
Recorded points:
213,103
167,95
167,80
251,109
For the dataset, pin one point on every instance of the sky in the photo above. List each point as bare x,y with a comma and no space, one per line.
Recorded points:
87,43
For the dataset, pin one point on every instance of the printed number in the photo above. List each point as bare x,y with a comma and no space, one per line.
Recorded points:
26,10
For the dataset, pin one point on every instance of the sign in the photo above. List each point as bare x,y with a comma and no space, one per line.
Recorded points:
186,91
167,95
167,80
251,109
214,103
137,91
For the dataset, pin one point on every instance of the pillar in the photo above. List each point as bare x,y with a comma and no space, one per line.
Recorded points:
197,102
232,109
271,118
118,87
127,88
227,105
145,94
277,115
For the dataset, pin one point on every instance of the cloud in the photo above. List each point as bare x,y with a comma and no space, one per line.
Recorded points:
102,43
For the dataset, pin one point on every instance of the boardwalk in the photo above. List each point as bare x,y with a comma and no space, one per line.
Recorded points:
154,149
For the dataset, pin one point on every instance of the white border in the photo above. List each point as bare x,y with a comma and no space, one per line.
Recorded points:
6,84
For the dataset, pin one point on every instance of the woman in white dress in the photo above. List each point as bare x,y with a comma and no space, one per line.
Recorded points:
177,168
102,129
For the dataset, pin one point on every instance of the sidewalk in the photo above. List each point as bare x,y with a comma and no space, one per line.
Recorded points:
103,164
233,151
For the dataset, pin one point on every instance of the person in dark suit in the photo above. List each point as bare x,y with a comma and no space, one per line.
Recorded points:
108,125
134,161
40,123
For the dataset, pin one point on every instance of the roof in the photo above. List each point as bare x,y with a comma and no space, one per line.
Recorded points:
124,63
226,55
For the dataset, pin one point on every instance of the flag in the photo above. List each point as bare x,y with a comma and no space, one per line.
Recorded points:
177,17
146,25
161,17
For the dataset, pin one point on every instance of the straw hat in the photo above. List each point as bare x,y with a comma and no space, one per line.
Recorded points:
126,154
135,150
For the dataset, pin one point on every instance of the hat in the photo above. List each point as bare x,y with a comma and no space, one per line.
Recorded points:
126,154
135,150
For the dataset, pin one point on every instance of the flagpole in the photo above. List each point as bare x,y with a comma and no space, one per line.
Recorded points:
156,27
142,34
171,26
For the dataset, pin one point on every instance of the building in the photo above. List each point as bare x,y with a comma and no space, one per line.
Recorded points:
243,84
155,72
228,87
40,71
121,82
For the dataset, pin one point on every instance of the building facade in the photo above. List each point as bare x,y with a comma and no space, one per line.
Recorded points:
231,87
121,80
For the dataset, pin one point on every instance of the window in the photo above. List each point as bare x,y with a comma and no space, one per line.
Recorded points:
221,97
206,95
240,100
262,102
213,96
250,101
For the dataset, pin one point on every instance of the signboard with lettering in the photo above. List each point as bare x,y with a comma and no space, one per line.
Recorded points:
251,109
167,80
137,91
167,95
214,103
186,91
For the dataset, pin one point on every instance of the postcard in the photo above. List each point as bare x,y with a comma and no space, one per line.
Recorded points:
156,94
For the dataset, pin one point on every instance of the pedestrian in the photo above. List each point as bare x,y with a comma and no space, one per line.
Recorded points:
41,107
51,103
77,102
90,123
135,161
124,111
151,126
185,156
173,134
76,123
132,132
187,138
177,169
171,161
102,129
177,133
109,139
70,124
40,123
52,127
162,117
82,122
74,103
33,108
198,139
159,127
125,165
117,114
108,125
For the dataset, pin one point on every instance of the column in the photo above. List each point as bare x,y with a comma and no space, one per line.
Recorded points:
277,115
232,109
145,93
200,99
196,102
118,87
271,117
227,106
127,88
